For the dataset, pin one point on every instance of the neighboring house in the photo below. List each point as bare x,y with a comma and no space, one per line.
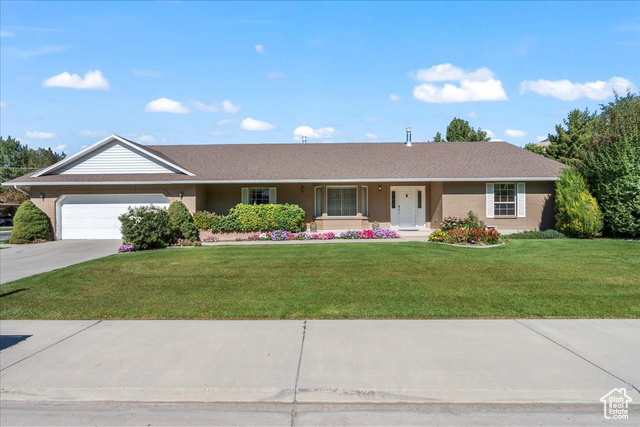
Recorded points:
340,186
544,143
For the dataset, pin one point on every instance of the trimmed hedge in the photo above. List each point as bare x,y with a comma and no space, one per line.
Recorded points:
182,222
30,224
535,234
247,218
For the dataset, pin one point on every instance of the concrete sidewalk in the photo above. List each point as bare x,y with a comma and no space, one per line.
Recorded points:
377,362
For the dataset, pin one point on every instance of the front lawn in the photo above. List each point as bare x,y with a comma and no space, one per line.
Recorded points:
395,280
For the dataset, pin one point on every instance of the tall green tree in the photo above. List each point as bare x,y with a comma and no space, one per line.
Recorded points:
571,138
611,165
17,160
460,130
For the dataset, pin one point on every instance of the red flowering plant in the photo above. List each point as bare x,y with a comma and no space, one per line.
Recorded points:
465,230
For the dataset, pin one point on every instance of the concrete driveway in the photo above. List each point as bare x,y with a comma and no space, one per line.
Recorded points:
18,261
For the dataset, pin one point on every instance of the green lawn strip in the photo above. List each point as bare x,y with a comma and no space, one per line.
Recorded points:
412,280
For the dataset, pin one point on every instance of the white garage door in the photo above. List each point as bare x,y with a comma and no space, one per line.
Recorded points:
96,217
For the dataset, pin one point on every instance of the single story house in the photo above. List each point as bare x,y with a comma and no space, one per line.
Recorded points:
340,186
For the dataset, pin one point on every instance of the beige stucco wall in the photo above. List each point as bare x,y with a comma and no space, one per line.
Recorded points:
458,198
53,193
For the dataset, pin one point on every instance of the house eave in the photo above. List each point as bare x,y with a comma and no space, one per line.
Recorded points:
286,181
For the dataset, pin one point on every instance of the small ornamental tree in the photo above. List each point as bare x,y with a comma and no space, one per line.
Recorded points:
30,224
147,227
182,222
577,212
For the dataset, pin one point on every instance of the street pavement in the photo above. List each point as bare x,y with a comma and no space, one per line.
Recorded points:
316,372
19,261
4,235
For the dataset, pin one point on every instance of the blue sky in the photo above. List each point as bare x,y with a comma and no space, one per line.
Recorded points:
213,73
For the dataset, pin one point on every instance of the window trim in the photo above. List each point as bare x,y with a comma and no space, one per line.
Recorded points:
364,201
519,203
315,201
327,200
245,195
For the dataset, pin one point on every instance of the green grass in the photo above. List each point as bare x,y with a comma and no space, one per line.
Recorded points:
525,278
6,228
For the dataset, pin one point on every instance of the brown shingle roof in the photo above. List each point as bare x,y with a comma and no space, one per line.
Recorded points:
332,162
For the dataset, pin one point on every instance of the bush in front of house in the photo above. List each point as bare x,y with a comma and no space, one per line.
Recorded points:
246,218
268,217
146,227
469,229
30,224
535,234
182,222
577,212
203,219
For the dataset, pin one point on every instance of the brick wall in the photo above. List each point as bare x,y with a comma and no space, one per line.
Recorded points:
460,197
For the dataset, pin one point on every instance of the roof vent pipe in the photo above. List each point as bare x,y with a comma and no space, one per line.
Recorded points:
304,139
408,141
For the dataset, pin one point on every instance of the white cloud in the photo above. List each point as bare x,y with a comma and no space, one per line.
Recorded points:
309,132
393,97
228,106
224,122
165,105
260,49
93,133
225,105
489,133
449,72
468,91
473,115
60,147
475,86
5,34
275,75
3,105
41,135
371,135
146,139
146,73
252,124
92,80
541,138
566,90
515,133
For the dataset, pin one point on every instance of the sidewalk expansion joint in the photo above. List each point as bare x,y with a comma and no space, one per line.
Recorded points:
51,345
295,387
579,355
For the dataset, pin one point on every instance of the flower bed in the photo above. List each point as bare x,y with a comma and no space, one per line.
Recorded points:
280,235
125,248
186,242
465,231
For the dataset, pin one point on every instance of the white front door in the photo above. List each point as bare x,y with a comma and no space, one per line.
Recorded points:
406,201
408,207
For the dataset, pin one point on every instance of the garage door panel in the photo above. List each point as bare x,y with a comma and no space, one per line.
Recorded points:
87,217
